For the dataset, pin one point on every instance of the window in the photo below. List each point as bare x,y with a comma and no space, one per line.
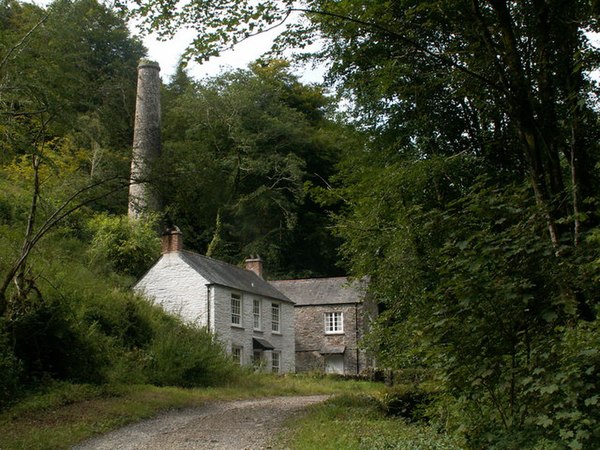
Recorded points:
236,309
256,313
257,359
236,354
275,316
334,322
276,362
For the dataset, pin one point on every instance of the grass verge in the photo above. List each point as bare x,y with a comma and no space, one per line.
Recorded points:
356,422
65,414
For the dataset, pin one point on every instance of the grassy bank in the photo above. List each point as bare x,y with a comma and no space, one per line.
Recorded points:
356,422
66,414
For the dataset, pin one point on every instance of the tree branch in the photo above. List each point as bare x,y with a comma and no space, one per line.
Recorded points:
382,29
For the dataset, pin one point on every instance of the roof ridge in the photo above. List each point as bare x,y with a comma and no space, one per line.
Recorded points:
314,278
218,261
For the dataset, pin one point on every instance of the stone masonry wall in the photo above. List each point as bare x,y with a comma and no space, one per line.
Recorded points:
311,338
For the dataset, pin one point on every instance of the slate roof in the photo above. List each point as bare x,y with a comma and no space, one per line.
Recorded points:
224,274
322,291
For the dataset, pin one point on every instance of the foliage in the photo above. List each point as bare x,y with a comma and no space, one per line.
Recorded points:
185,356
406,401
243,146
66,70
86,326
63,92
126,246
494,309
10,368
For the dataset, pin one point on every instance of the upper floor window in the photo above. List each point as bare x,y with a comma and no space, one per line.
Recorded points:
256,312
275,317
334,322
236,309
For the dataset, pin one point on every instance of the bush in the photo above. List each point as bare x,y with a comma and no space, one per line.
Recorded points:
128,247
408,402
50,342
182,355
10,370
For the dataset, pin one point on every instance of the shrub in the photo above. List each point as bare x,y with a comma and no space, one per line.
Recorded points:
10,370
182,355
50,342
406,401
128,247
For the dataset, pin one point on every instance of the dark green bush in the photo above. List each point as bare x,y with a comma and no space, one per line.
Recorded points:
50,342
182,355
406,401
10,370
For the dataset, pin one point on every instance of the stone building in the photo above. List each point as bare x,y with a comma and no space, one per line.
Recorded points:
253,320
332,315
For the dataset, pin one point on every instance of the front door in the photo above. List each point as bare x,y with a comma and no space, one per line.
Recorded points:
334,364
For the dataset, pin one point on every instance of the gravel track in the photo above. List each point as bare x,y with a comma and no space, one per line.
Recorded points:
234,425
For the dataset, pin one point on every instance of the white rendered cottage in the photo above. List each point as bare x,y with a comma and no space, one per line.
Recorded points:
253,320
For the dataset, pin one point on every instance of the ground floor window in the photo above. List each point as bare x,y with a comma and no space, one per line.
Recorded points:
257,358
236,354
276,362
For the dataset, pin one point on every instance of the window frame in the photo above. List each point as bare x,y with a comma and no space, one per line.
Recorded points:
332,324
276,318
236,297
257,314
276,355
237,352
258,358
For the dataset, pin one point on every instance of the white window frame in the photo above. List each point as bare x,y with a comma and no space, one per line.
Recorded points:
334,322
276,317
237,352
258,358
257,314
276,362
237,313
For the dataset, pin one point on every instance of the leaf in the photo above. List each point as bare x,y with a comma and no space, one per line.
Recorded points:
549,389
544,421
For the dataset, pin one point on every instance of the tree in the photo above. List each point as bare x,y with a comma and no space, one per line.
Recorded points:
251,139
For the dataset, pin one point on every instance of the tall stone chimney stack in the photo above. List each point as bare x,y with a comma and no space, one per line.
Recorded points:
146,139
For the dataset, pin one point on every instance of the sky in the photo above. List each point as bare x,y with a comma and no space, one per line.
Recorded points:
167,54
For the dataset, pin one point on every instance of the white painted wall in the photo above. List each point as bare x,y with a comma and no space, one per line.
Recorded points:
178,288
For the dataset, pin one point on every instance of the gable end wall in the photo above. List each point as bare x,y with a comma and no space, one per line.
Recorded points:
179,289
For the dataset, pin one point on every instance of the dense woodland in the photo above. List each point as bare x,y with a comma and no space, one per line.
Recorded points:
461,176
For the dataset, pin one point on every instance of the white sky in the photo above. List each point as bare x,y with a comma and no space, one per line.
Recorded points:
167,54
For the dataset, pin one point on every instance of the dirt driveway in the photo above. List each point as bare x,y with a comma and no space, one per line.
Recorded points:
236,425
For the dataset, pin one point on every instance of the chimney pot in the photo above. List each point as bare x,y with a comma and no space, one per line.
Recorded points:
255,264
